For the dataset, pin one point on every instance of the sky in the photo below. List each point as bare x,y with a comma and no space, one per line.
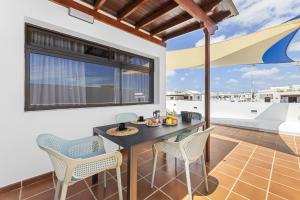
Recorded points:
254,15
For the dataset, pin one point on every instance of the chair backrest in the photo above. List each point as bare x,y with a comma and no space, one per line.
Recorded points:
194,144
55,149
126,117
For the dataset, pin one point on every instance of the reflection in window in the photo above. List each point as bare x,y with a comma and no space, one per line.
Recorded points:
58,81
135,86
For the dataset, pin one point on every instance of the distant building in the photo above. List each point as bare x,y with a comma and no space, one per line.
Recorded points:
284,94
232,97
189,95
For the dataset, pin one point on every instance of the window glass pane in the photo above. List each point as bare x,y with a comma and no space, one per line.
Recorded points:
53,41
132,59
135,86
57,81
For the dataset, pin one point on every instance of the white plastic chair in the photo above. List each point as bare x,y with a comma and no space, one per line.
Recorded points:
75,160
189,150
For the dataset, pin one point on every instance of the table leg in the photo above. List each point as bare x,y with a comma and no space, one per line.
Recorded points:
95,177
132,173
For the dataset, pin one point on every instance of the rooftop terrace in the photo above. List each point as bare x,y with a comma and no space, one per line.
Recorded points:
244,165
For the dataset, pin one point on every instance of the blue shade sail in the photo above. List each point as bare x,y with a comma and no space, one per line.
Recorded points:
277,53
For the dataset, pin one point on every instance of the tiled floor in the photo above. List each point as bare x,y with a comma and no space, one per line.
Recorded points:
244,165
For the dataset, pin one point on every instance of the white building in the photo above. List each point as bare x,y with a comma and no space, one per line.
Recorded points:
189,95
284,94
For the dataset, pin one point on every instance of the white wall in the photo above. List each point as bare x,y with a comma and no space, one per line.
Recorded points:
20,157
273,117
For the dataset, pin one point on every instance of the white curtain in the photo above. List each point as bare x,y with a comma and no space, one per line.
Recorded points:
56,81
135,87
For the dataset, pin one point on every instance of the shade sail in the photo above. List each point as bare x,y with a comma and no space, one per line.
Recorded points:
265,46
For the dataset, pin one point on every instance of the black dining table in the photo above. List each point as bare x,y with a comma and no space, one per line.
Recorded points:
134,144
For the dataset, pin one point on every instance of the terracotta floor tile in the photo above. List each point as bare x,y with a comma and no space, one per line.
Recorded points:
263,157
228,169
263,172
43,196
86,195
284,163
37,187
284,191
223,180
101,193
175,189
144,189
195,179
158,196
287,171
10,195
235,163
235,196
238,156
254,180
196,196
285,180
148,155
260,163
161,178
147,167
116,196
100,178
272,196
216,192
249,191
287,157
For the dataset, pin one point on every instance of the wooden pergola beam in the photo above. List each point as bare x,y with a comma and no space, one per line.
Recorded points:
100,4
108,20
216,17
206,7
198,13
130,8
156,14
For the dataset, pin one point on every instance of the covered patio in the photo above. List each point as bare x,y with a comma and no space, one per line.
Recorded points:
244,165
88,89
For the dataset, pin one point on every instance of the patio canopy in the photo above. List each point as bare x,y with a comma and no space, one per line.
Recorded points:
265,46
153,20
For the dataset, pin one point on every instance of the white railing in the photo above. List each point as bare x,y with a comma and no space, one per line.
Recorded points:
272,117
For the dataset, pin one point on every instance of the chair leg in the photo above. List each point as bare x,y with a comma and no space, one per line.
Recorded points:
57,189
204,172
104,179
64,191
188,179
154,167
119,183
176,166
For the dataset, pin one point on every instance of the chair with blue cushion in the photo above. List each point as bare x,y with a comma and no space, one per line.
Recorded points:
75,160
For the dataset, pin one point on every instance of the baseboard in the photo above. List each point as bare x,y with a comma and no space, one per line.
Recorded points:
25,182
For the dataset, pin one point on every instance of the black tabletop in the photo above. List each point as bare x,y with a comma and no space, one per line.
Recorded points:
147,133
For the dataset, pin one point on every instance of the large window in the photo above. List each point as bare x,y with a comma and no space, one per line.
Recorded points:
66,72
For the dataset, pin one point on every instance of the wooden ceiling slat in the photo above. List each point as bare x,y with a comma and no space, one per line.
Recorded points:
198,13
206,7
165,8
216,17
186,29
130,8
100,4
169,24
105,19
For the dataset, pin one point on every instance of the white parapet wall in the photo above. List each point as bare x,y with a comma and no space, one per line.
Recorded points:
20,156
272,117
